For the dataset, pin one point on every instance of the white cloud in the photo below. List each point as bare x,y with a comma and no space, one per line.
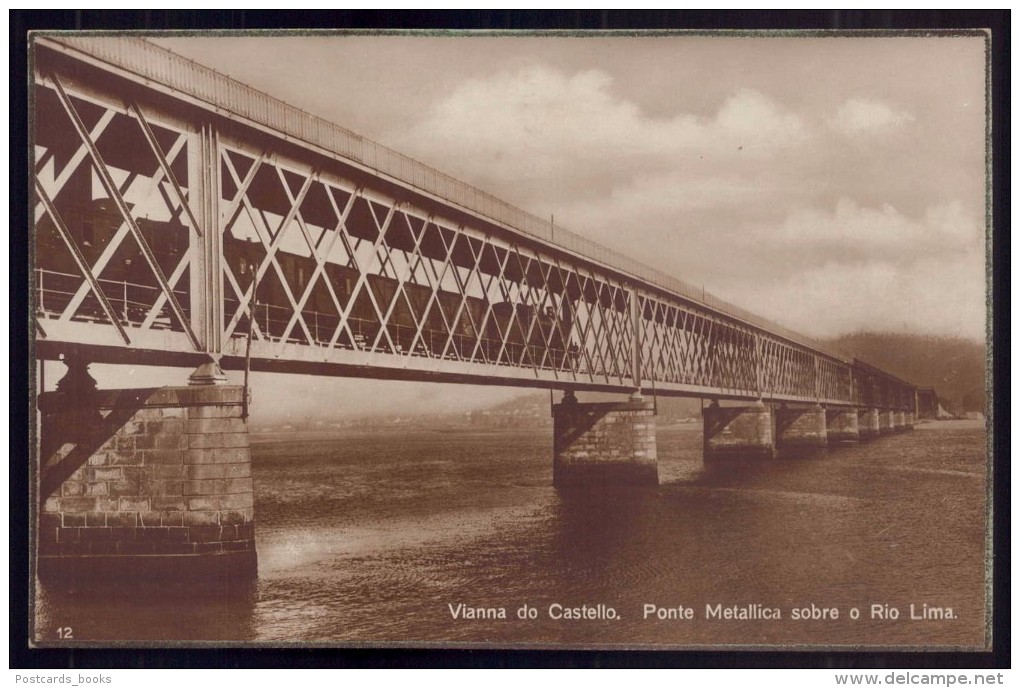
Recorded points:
546,123
754,199
866,268
750,116
936,295
859,116
945,227
671,194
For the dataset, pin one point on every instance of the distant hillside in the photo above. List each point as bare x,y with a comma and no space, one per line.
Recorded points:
954,366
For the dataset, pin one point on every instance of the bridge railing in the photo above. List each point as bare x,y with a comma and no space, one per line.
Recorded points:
131,302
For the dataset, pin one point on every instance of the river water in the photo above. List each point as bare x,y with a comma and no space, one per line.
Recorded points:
373,538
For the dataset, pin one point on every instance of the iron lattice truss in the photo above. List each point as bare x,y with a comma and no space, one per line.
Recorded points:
160,227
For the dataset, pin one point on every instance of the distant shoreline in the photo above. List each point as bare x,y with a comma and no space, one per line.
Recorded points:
269,436
261,436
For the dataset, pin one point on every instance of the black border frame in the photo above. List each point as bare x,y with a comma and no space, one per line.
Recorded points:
21,656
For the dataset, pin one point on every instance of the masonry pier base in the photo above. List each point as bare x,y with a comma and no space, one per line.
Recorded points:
899,421
868,424
886,422
152,483
842,426
738,432
604,444
801,430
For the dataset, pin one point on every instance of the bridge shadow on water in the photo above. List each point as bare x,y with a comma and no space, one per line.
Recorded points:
722,470
605,518
598,535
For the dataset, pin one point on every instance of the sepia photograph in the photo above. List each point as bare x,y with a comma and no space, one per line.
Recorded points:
650,340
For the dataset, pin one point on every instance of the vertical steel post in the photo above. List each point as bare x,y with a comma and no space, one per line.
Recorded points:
758,381
635,315
206,250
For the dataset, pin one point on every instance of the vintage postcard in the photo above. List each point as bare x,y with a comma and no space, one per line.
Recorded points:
536,340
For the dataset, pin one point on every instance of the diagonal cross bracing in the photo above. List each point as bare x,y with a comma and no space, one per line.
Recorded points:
111,188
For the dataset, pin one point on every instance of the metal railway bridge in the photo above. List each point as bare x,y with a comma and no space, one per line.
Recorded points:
184,219
180,214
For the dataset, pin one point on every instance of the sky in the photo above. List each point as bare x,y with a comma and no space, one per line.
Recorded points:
830,184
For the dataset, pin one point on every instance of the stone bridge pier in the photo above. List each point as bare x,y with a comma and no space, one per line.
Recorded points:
763,431
149,482
899,423
604,443
738,432
886,422
843,426
869,424
801,430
